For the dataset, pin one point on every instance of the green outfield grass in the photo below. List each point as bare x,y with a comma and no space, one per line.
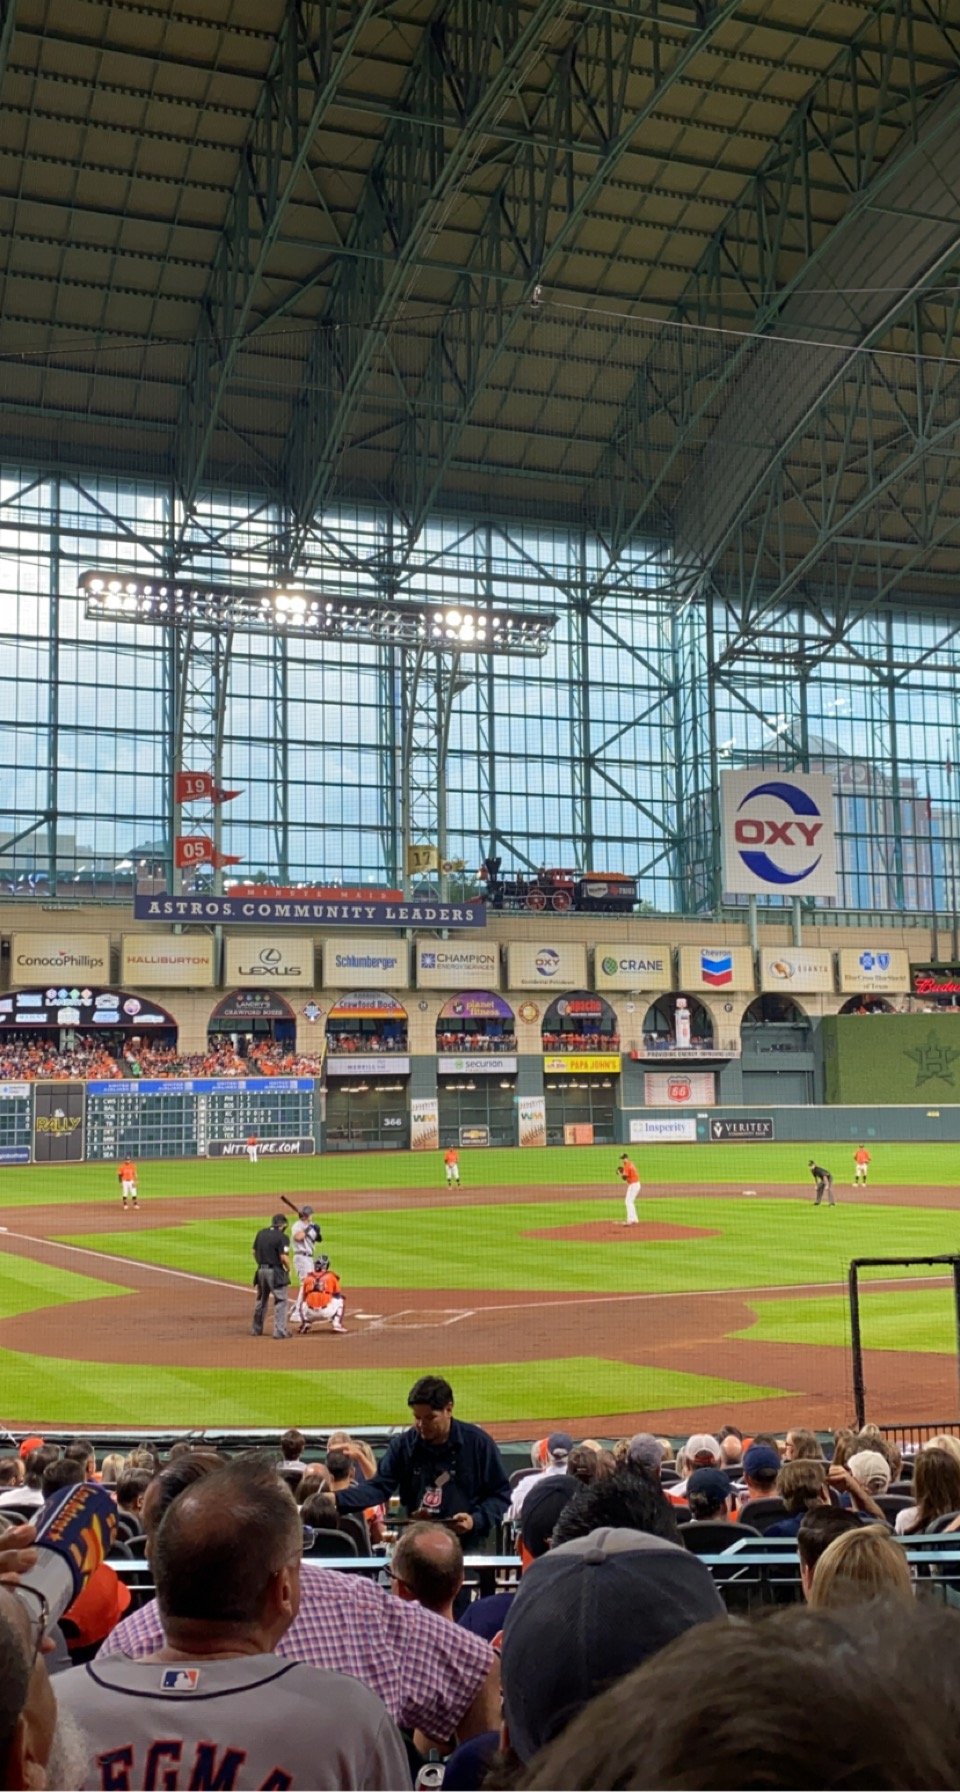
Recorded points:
752,1241
757,1243
661,1166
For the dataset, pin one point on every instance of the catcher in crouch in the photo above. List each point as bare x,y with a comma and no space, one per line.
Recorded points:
321,1299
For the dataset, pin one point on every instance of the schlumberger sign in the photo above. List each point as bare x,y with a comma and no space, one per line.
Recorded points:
778,833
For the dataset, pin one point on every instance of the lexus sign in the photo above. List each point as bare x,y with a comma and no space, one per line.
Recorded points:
266,960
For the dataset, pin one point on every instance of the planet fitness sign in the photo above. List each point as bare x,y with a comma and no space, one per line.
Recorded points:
778,833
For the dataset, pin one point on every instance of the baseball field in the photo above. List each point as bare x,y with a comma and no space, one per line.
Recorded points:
727,1302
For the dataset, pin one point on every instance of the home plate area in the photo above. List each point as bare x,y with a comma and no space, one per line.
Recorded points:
413,1319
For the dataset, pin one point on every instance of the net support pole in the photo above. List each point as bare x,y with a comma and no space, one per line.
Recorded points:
956,1304
856,1346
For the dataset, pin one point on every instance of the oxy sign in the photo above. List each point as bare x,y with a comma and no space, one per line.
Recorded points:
778,834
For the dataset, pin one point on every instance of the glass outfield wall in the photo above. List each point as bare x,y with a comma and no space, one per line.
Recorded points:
601,757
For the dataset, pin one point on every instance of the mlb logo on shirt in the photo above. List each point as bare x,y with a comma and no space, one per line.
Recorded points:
716,968
179,1679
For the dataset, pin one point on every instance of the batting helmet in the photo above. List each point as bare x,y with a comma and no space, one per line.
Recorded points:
321,1265
304,1213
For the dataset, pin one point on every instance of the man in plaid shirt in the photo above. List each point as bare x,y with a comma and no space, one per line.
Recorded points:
431,1675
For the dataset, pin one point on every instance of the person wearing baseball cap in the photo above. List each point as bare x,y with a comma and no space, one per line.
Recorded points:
700,1451
550,1457
588,1612
549,1495
761,1466
271,1276
709,1495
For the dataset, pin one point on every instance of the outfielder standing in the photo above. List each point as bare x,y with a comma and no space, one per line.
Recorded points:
629,1174
127,1178
304,1237
252,1148
824,1182
451,1165
861,1164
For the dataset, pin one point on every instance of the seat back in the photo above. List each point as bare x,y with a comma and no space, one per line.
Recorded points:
710,1536
332,1543
761,1514
938,1524
892,1503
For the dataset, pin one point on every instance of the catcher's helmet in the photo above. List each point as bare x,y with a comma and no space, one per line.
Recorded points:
303,1213
321,1265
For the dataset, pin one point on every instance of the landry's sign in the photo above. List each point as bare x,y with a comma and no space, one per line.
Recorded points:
288,912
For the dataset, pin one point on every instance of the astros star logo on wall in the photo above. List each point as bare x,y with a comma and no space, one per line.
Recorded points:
933,1061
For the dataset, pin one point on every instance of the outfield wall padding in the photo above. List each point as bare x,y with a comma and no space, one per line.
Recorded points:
903,1058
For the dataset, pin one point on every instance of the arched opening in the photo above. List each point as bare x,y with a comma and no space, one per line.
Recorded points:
477,1070
84,1033
677,1024
368,1073
581,1069
868,1005
254,1020
776,1043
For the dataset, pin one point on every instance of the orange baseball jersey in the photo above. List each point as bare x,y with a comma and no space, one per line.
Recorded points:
320,1288
862,1155
127,1171
252,1139
630,1171
451,1156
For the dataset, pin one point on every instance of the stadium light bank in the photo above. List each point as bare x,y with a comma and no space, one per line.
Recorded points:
434,627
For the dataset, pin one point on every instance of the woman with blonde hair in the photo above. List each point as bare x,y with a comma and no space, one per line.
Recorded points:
936,1489
943,1441
112,1467
859,1565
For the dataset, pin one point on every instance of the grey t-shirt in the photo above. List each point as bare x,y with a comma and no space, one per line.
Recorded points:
248,1723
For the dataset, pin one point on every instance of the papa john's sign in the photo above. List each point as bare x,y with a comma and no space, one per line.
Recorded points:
777,832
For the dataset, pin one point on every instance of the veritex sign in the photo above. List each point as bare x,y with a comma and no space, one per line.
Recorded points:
283,912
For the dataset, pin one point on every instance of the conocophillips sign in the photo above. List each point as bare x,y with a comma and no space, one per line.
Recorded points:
270,959
778,833
633,967
58,957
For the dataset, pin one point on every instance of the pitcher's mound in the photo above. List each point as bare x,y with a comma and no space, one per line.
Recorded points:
604,1231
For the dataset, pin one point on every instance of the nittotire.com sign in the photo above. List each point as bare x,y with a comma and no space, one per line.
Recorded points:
265,1148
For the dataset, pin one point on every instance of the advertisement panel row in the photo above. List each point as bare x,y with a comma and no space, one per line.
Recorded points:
278,961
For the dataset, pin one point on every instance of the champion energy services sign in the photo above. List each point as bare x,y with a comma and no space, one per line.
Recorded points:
777,832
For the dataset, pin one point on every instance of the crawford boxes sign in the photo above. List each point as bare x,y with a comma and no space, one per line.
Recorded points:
777,833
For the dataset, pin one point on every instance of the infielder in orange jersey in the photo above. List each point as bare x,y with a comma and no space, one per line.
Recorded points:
127,1178
451,1165
629,1174
861,1164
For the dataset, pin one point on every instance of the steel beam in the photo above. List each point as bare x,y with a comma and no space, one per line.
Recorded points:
316,44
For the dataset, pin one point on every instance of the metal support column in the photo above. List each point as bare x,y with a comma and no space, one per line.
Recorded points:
429,686
203,672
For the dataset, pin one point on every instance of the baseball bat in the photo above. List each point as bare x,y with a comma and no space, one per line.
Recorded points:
291,1204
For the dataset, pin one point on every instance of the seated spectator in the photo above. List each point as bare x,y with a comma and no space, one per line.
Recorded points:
427,1567
429,1674
65,1473
863,1564
12,1476
227,1563
621,1501
112,1468
292,1445
38,1746
868,1696
761,1466
81,1450
801,1483
731,1447
871,1470
550,1456
936,1489
844,1446
709,1494
341,1470
632,1594
818,1528
145,1457
944,1440
644,1453
30,1493
699,1451
131,1488
585,1465
485,1617
315,1480
802,1446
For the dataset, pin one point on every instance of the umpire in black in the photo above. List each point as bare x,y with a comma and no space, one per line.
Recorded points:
271,1276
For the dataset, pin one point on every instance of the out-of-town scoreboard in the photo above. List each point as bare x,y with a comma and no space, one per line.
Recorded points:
200,1117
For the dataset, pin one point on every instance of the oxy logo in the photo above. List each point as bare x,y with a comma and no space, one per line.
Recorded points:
547,962
794,836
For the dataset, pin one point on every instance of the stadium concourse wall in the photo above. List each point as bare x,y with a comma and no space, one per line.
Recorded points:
525,964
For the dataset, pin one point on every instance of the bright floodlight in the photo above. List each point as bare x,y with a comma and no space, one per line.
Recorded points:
188,603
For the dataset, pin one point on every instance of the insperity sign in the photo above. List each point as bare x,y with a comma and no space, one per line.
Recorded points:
288,912
778,833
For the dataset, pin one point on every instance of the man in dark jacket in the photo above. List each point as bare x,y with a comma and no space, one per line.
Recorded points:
441,1468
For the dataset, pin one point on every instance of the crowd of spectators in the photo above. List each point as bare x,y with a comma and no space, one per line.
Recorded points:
503,1039
611,1656
91,1059
387,1039
588,1041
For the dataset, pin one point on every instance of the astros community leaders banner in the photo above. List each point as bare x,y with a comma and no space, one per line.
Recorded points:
777,833
557,967
185,961
55,957
633,967
287,912
269,958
